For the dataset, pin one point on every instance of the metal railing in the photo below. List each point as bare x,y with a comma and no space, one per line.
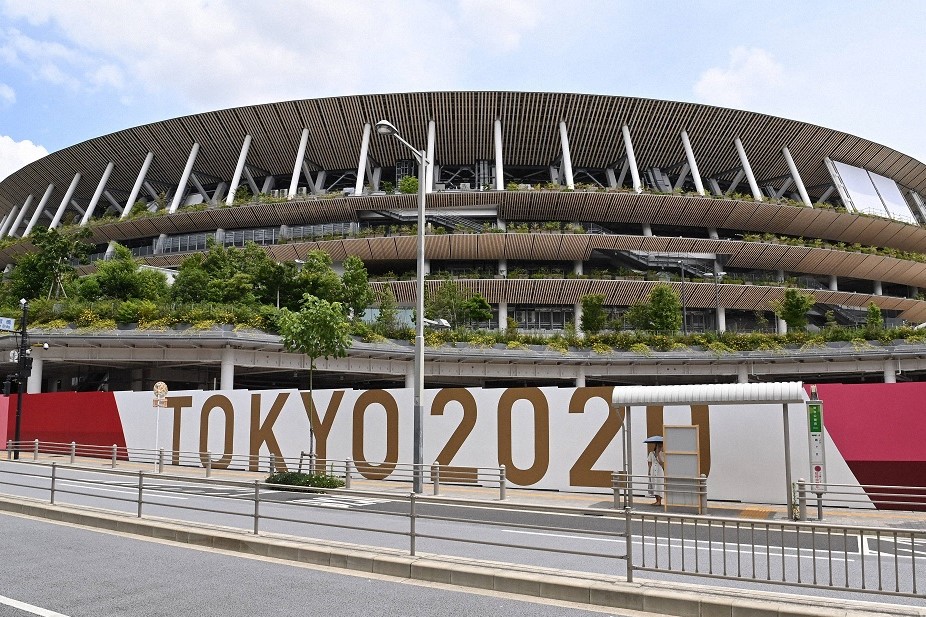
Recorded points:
852,558
882,497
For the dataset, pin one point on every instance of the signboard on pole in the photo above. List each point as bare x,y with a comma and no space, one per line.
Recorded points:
817,452
7,324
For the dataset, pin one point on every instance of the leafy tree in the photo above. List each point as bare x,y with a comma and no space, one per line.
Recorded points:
387,321
356,286
46,271
638,316
317,278
121,278
268,277
456,305
594,317
874,320
191,281
665,308
319,330
408,185
793,308
477,308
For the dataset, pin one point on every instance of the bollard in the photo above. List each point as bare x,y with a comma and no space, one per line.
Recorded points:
628,545
435,476
9,449
73,451
347,473
411,523
801,500
819,506
615,488
256,505
161,460
141,483
51,499
208,463
301,456
702,494
115,452
502,483
35,451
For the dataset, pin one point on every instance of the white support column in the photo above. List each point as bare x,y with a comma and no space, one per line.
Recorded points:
877,288
721,319
503,267
410,375
200,188
502,315
362,163
64,202
97,194
647,229
682,176
499,159
13,221
239,168
227,375
917,199
834,283
577,267
578,318
252,184
136,188
712,234
112,201
429,169
742,373
580,376
610,177
307,174
631,160
782,325
269,183
567,157
692,163
797,178
7,219
297,166
750,177
34,383
890,371
184,178
734,184
320,178
38,210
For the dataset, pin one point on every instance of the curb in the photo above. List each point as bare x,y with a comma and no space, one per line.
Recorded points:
680,600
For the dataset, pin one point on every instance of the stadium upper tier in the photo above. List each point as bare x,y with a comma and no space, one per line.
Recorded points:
609,189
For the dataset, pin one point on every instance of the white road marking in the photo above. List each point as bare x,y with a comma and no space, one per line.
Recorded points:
35,610
113,490
343,502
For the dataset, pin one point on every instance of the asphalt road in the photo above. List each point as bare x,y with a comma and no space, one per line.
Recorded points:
84,573
584,543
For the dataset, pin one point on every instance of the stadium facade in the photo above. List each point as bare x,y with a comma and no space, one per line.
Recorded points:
533,199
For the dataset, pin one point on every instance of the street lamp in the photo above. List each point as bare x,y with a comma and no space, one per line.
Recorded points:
23,370
384,127
681,269
718,277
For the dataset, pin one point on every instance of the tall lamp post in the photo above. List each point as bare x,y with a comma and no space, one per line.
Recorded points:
23,369
384,127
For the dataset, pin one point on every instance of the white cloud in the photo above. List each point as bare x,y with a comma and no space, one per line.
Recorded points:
16,154
750,74
7,95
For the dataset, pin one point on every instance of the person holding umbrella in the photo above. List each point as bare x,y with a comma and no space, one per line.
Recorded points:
655,466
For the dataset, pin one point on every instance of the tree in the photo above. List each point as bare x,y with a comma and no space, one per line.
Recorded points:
456,305
477,308
46,271
387,320
121,278
317,278
356,286
408,185
319,330
665,309
793,308
594,317
874,320
638,316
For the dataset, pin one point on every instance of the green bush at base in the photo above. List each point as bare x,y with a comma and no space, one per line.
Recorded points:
296,478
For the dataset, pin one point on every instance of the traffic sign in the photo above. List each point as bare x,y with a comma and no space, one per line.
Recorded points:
8,324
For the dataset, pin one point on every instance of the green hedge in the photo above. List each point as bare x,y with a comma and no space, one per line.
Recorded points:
297,478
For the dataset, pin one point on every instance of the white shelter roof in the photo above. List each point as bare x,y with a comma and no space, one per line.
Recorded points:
710,394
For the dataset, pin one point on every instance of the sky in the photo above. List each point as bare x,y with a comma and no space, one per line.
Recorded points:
71,70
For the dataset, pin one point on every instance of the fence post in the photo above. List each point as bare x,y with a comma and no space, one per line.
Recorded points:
35,451
301,456
628,545
312,464
208,463
256,505
73,451
702,494
615,488
9,449
161,460
411,523
273,462
141,483
819,506
801,500
54,467
115,452
435,471
502,483
347,473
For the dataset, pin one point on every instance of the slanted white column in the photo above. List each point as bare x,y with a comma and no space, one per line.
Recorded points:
97,194
136,188
797,178
631,160
38,210
64,202
503,266
184,178
239,167
297,166
34,383
834,283
429,168
362,163
692,163
15,219
499,159
920,203
890,371
227,376
712,233
7,219
567,157
750,177
502,315
877,288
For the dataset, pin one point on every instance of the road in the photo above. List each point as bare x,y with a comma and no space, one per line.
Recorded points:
78,572
583,543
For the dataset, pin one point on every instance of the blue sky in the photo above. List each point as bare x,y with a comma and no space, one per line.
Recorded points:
71,70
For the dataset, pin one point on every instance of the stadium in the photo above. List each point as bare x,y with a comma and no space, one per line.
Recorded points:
533,200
